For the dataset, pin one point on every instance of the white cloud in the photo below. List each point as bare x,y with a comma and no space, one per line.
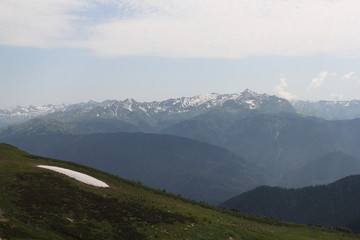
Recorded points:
352,76
318,81
186,28
36,23
280,89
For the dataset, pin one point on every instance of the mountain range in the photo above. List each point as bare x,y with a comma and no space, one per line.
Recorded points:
130,109
265,132
208,148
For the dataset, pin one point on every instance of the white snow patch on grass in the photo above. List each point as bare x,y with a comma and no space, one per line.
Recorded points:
78,176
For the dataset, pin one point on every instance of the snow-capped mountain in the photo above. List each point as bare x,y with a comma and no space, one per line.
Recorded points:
20,113
247,99
130,109
30,111
9,115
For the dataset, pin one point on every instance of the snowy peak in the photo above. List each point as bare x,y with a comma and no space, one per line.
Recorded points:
20,112
247,99
11,115
198,100
249,94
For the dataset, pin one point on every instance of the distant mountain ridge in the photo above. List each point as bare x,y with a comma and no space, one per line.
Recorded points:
129,108
155,113
17,114
331,110
10,115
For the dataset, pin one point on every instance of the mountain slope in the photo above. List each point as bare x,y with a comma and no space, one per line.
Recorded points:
38,203
193,169
330,205
282,142
322,170
208,127
278,143
39,126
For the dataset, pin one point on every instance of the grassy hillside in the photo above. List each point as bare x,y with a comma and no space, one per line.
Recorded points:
37,203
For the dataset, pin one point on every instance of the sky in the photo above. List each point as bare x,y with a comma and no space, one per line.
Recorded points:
71,51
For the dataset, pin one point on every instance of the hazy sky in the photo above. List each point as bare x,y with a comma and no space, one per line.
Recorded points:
69,51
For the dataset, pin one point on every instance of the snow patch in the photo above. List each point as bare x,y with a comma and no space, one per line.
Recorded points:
76,175
251,104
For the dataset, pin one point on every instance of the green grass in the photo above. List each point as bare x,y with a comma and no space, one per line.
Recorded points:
40,204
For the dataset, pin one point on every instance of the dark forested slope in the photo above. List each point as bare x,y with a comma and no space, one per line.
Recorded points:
334,204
